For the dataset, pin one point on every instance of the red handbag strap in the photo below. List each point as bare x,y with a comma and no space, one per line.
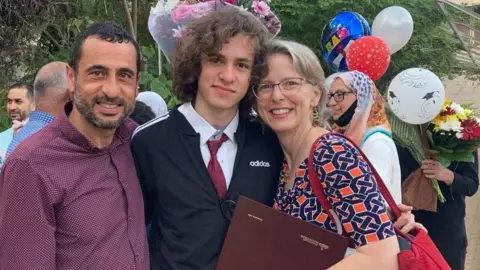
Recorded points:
317,187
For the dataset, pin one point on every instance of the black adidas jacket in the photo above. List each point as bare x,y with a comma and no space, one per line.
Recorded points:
189,222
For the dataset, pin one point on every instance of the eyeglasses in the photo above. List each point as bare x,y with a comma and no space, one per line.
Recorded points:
228,206
339,96
287,87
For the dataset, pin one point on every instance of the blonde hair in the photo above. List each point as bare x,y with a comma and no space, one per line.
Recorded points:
306,63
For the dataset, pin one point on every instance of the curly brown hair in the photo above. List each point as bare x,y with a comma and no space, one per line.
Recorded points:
205,36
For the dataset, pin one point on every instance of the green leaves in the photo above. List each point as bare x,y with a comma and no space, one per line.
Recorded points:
151,80
146,77
160,85
148,51
430,47
406,135
447,158
245,3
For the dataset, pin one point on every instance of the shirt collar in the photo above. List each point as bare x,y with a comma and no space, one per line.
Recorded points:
122,134
206,130
41,116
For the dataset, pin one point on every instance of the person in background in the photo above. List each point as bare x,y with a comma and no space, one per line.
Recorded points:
154,101
291,99
69,195
366,125
142,113
446,227
19,105
50,90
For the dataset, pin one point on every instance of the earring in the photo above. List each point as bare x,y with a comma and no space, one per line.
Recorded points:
315,116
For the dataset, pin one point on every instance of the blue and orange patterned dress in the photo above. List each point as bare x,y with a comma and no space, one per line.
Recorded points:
349,186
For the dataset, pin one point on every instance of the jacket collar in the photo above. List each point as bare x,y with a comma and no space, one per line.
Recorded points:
182,124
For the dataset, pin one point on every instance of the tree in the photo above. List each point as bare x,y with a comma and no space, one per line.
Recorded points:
431,46
22,23
33,33
49,33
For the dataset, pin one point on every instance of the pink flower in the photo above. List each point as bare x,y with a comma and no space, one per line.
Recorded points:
261,8
179,32
201,9
233,2
181,12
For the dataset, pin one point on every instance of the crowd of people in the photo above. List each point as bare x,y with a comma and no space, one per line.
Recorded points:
90,162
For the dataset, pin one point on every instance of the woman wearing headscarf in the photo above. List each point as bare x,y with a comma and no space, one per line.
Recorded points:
154,101
359,113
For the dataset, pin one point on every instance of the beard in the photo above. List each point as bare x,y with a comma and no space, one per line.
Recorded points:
18,115
86,109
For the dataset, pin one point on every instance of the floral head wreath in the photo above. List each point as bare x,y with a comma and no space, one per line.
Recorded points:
168,17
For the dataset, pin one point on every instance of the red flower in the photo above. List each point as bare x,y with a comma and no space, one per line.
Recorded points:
448,111
471,130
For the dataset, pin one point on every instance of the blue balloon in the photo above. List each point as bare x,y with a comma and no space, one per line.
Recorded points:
343,29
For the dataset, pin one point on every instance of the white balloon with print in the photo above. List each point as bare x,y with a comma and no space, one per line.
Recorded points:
416,96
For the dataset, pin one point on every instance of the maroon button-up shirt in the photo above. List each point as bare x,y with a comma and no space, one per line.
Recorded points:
65,204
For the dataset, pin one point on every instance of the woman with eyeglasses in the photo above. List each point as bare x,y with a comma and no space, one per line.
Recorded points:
291,99
359,113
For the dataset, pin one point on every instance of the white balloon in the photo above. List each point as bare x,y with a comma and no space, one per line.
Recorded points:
416,96
395,26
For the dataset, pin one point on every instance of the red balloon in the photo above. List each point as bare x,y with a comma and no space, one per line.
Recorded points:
369,55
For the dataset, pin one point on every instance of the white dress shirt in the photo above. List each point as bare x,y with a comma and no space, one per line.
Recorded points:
227,151
383,155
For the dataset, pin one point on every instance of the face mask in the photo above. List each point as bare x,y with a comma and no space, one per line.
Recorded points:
346,117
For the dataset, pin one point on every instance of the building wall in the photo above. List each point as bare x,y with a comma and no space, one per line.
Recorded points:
463,90
468,2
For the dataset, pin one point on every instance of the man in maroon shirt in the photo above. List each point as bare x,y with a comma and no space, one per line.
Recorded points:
69,194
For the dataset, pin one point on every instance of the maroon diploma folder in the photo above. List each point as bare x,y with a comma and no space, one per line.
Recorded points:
261,238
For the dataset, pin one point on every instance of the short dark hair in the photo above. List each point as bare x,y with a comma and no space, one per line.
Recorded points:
107,31
142,113
207,35
26,86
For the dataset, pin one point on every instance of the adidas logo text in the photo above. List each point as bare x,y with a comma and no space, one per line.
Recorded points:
260,164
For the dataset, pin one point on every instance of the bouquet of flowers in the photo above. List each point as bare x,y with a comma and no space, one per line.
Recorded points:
168,19
453,135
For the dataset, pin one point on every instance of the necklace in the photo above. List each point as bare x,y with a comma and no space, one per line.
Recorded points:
286,175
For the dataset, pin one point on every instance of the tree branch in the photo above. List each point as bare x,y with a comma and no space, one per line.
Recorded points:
135,16
52,39
129,19
441,4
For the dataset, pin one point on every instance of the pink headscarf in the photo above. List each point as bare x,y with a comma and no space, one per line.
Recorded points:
370,111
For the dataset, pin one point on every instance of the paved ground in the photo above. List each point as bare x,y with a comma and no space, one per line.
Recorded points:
473,229
468,92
